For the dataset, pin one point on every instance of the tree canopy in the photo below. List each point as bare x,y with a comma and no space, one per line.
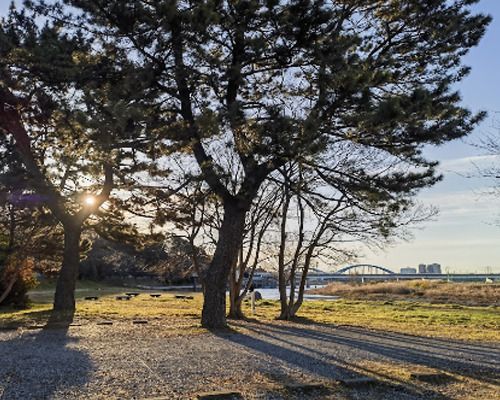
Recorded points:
353,90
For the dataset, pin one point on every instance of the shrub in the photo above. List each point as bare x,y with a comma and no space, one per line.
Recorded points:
16,279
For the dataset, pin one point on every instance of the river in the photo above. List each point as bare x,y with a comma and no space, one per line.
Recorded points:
273,294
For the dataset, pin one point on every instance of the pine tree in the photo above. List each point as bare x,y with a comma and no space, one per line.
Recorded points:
262,83
27,232
63,105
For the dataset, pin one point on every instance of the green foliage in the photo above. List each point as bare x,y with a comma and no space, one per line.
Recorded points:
81,115
352,90
311,81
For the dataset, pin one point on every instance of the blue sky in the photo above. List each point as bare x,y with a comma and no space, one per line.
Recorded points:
463,237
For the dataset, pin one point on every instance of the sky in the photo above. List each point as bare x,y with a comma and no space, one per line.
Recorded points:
463,237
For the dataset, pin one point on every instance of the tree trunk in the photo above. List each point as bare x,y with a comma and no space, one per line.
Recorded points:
8,288
8,251
235,282
281,256
213,315
303,279
235,311
64,299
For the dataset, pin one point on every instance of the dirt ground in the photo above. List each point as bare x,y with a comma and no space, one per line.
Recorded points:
258,360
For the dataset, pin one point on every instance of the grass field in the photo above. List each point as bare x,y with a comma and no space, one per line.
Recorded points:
182,315
468,294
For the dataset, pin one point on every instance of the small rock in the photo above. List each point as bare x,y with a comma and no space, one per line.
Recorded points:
430,377
358,382
305,387
219,395
158,398
32,327
8,328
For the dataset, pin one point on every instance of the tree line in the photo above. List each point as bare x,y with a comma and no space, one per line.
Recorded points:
220,119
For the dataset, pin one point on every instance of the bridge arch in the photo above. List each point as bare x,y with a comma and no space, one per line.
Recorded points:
377,267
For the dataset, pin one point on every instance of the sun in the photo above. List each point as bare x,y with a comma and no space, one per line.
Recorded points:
89,200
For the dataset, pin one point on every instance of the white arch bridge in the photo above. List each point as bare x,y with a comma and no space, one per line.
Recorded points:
371,272
364,269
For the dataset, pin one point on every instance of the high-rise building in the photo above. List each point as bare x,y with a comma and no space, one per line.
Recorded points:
408,270
422,268
434,268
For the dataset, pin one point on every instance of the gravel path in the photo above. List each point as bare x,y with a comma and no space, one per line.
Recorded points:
126,361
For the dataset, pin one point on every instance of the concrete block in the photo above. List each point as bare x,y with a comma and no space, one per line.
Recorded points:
219,395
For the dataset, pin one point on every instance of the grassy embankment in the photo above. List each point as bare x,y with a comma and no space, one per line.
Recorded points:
467,294
180,316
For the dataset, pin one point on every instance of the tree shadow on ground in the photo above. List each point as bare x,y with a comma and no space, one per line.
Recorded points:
469,360
479,348
286,352
38,364
29,317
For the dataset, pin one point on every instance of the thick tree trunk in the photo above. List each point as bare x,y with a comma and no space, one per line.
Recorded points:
64,299
213,315
284,308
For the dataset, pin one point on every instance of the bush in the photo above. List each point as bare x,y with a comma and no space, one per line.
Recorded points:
16,279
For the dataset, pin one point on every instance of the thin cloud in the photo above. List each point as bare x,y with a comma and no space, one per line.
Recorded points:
467,165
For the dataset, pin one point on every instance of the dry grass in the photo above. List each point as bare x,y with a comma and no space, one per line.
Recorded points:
447,384
182,316
416,318
471,294
179,316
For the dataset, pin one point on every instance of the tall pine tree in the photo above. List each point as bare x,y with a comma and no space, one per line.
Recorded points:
75,125
260,83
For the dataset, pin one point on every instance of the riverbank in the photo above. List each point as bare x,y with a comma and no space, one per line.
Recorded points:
465,294
182,314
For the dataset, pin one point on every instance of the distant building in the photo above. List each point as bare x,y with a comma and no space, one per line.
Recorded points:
408,270
422,269
264,279
434,268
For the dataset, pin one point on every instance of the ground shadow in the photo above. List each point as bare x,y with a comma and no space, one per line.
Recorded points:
438,342
475,361
35,364
286,352
38,318
28,318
